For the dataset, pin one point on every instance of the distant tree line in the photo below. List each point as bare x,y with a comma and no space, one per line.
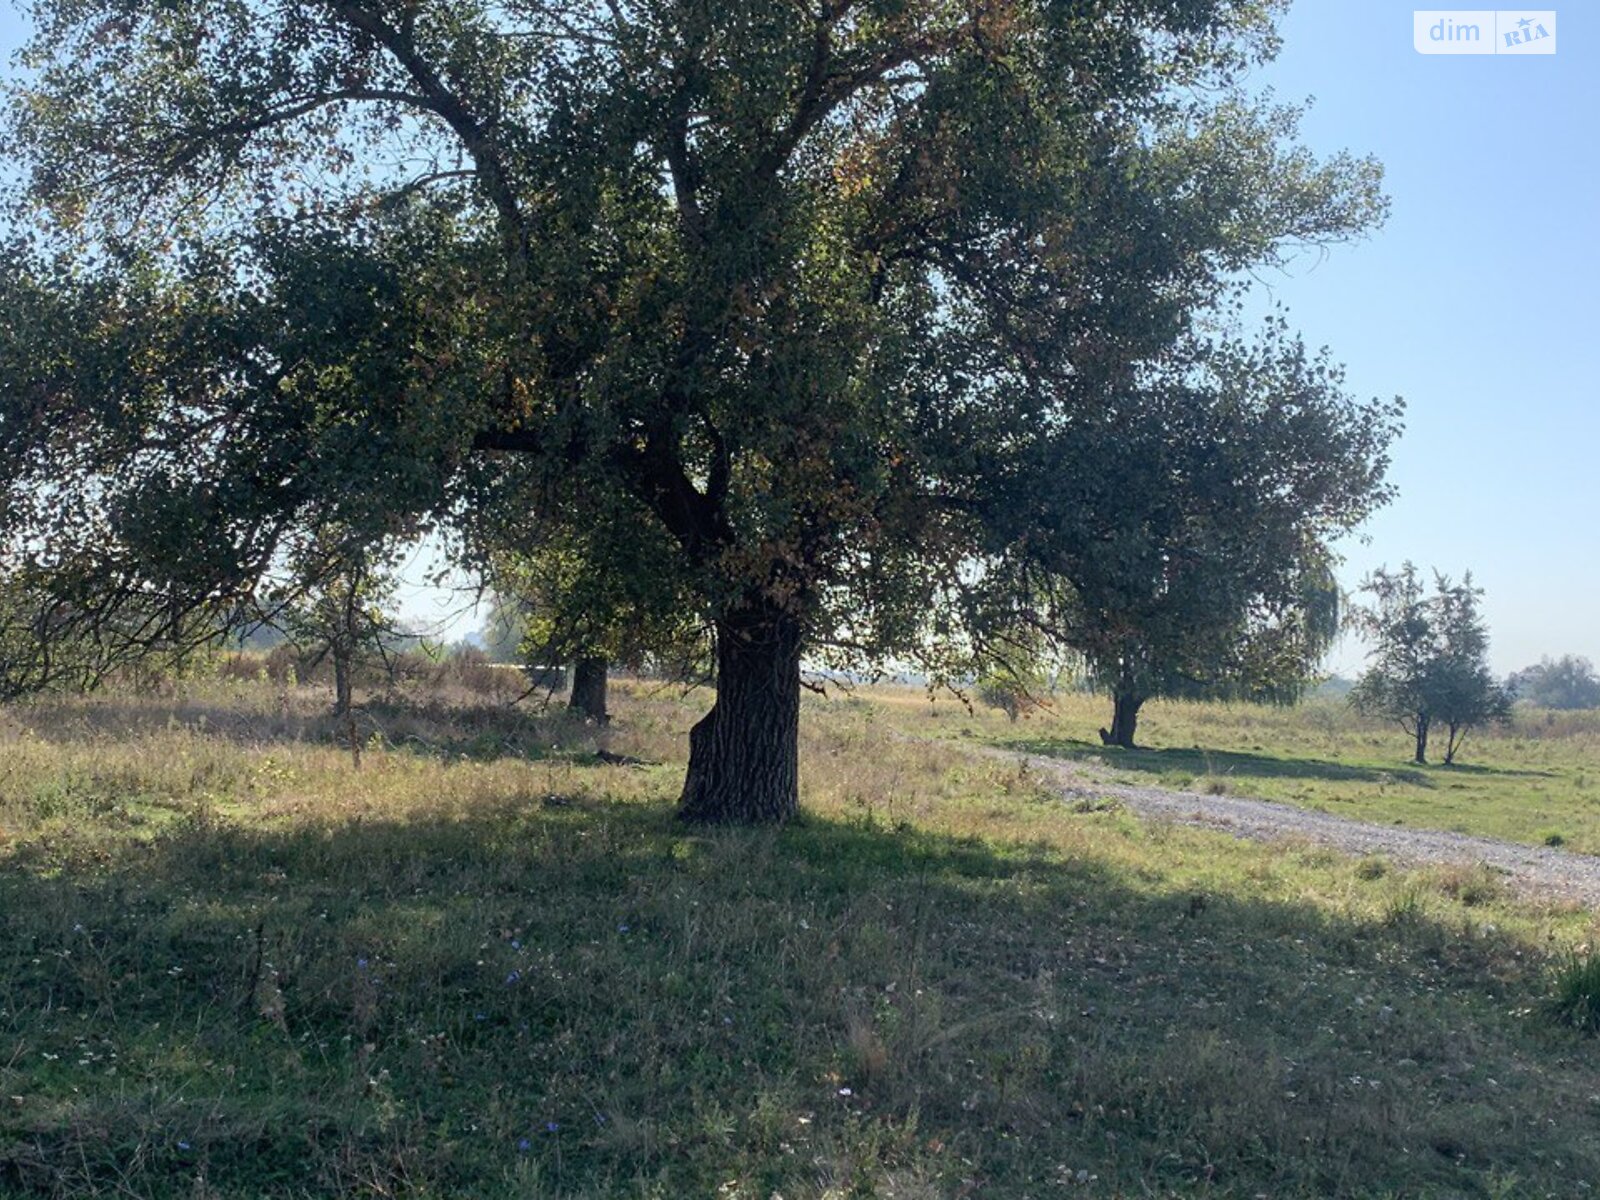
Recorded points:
1568,682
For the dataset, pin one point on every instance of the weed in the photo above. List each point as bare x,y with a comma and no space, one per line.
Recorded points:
1405,908
1574,999
1470,886
1373,867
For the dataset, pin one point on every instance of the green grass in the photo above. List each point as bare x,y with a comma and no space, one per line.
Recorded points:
488,965
1537,782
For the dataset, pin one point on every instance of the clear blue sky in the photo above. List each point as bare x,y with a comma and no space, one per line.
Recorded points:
1478,302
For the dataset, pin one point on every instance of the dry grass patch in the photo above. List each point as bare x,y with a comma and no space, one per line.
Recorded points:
491,964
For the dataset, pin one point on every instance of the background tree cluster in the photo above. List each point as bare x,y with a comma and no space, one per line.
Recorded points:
1568,682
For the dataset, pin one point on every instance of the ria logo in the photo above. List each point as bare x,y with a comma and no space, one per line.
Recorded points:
1484,31
1527,32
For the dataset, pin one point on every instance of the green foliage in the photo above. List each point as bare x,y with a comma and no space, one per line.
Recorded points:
605,584
213,429
1429,661
775,319
1217,490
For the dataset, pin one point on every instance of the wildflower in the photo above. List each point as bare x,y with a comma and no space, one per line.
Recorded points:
552,1126
480,1016
622,929
183,1146
524,1145
516,945
514,977
361,964
846,1092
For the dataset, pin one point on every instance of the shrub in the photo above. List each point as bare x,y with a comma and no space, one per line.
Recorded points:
1574,999
1372,868
1470,886
1011,695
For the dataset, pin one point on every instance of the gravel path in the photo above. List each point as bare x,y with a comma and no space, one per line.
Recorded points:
1534,869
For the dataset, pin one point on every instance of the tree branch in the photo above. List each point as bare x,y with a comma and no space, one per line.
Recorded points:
475,136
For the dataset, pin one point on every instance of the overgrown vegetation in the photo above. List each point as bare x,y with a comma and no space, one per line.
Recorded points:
490,963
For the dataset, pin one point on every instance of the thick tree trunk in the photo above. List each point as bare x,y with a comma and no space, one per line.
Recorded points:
588,697
1422,740
1124,720
744,755
341,681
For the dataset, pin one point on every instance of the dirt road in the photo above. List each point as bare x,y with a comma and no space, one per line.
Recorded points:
1534,869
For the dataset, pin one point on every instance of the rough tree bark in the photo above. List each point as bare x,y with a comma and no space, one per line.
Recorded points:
1423,722
744,755
1124,720
588,697
341,679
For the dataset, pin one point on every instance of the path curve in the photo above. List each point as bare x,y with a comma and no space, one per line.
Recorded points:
1536,869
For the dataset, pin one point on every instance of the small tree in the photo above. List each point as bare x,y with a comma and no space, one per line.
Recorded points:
1568,682
1429,660
596,585
343,616
1014,690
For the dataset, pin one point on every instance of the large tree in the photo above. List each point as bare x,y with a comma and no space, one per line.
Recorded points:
1214,487
802,283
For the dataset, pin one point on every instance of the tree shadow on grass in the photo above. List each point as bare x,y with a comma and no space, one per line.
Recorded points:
477,732
1197,761
589,1000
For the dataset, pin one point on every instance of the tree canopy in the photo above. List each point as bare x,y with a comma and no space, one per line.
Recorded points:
1212,490
796,297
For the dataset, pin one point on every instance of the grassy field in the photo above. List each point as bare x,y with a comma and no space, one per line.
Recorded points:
1536,781
489,964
